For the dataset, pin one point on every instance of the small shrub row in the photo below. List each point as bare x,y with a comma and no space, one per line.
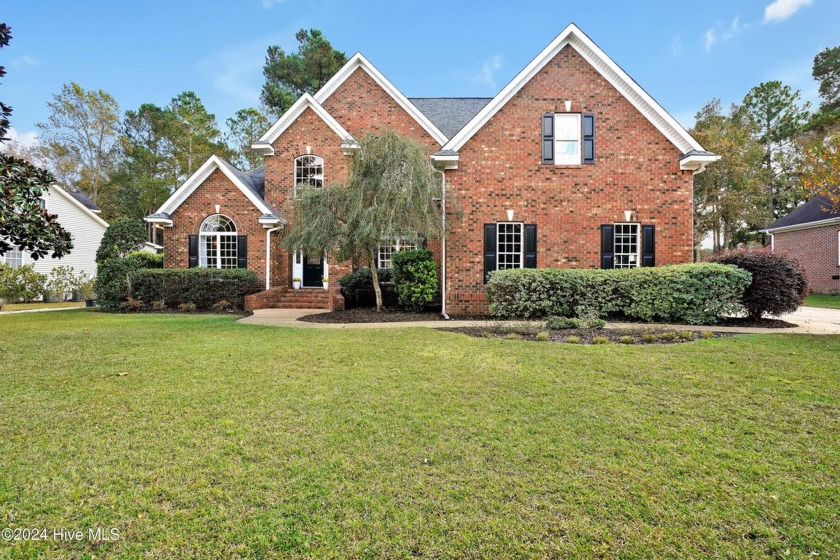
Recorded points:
193,288
560,323
691,293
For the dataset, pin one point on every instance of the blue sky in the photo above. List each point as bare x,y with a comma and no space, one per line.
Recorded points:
682,53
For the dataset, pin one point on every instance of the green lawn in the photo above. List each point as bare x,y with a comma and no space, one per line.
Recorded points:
41,305
820,300
229,440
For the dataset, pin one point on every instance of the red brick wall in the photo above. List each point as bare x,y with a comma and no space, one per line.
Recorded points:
636,169
216,189
361,106
816,248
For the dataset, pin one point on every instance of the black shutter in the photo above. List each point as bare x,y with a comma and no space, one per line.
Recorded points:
192,248
530,245
648,246
489,249
607,246
547,138
242,251
588,138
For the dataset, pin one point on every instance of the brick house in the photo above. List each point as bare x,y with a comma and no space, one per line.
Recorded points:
572,164
811,235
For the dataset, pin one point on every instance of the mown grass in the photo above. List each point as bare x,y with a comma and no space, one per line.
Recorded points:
823,300
41,305
228,440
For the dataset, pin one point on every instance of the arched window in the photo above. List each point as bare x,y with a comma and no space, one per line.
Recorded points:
309,171
217,242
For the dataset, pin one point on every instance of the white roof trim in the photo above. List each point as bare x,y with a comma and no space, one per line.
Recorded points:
197,178
359,61
286,120
619,79
697,162
807,225
82,207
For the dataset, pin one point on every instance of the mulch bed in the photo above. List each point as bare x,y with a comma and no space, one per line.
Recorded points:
591,336
369,315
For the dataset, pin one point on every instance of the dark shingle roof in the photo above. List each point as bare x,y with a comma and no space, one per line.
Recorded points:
812,211
85,201
450,114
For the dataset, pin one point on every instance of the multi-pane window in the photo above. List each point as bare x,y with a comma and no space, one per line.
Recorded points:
626,245
567,139
14,258
386,252
509,245
217,242
309,171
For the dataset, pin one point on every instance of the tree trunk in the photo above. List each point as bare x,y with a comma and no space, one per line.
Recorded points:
377,290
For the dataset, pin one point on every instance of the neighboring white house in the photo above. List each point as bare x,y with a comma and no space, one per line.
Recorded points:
77,214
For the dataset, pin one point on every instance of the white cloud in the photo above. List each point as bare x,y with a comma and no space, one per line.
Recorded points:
236,70
487,74
780,10
25,60
25,139
677,46
709,39
268,4
721,33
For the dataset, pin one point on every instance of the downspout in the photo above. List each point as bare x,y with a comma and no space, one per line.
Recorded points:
268,255
443,244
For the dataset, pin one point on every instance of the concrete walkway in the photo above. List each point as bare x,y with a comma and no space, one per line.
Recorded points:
811,320
42,310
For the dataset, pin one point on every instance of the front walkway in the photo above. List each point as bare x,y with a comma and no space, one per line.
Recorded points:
811,320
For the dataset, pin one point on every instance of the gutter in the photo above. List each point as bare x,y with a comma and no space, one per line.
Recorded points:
443,245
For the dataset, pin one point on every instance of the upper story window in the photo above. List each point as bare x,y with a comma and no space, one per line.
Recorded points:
567,139
217,242
626,245
309,171
386,252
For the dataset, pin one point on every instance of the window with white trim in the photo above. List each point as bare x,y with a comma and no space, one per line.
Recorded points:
510,245
567,139
14,258
626,245
386,252
309,171
217,242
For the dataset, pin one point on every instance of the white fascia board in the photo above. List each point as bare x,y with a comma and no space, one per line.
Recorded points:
359,61
166,222
618,78
809,225
90,213
197,178
697,163
446,162
290,116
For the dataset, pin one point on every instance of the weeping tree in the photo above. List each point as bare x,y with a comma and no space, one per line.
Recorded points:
392,191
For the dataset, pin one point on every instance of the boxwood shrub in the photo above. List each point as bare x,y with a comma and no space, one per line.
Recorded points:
690,293
112,285
201,287
415,278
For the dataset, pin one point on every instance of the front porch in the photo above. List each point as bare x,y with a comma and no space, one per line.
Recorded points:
284,297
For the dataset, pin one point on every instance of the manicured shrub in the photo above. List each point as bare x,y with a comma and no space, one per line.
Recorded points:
20,284
542,336
689,293
707,334
148,260
112,284
687,335
649,337
627,339
122,237
560,323
202,287
573,339
600,340
415,278
668,336
357,288
778,286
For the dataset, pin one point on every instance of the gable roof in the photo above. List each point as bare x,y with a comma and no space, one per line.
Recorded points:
249,183
358,61
618,78
450,114
814,213
73,200
306,101
86,201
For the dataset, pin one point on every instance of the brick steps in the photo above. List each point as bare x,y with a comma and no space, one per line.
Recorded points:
285,298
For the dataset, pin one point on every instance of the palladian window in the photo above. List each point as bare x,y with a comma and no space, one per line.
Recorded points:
217,242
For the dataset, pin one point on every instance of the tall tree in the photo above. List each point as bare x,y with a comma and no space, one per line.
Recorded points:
821,174
729,195
288,76
774,108
24,222
826,71
80,137
246,127
195,135
391,192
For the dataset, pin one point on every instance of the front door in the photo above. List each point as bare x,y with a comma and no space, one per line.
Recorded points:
313,271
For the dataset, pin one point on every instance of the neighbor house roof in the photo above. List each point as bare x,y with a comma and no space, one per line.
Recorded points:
86,201
816,212
72,198
450,114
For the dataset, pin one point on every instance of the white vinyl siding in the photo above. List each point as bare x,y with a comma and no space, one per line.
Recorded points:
567,139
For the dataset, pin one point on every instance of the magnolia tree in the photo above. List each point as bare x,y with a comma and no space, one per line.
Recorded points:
392,191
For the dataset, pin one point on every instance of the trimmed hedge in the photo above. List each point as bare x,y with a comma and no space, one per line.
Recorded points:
778,286
112,286
357,288
202,288
415,278
690,293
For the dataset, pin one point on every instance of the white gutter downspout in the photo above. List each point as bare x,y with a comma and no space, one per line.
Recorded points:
268,256
443,245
